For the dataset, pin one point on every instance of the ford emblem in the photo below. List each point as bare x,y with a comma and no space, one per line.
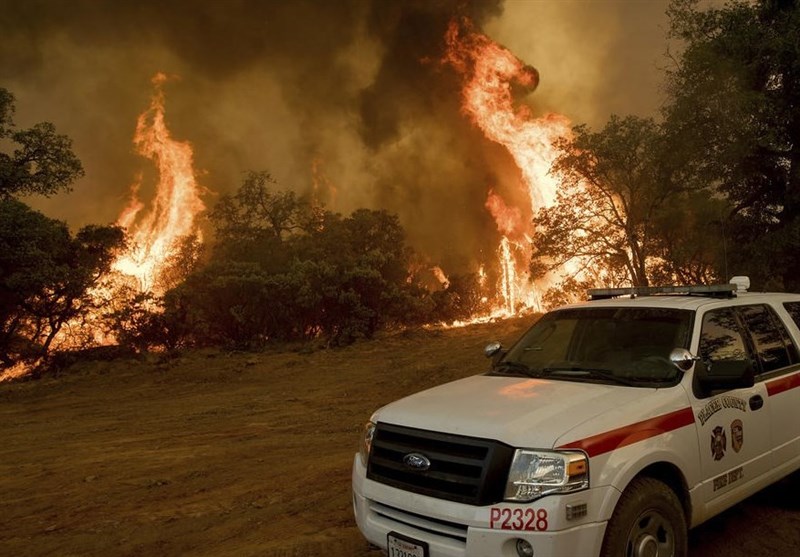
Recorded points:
417,461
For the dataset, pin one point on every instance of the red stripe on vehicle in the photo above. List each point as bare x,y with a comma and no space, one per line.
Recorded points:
633,433
783,384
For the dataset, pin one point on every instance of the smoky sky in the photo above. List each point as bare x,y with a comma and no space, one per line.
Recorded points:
348,95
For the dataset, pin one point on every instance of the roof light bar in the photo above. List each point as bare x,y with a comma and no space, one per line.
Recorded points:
712,290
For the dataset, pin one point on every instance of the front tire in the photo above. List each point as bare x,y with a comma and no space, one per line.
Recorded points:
648,522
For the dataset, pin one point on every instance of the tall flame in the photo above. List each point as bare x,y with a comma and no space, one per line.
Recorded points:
154,235
153,238
491,73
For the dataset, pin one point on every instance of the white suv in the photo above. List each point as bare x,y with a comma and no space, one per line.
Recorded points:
609,428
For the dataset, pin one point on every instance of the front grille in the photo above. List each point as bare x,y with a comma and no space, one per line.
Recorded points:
463,469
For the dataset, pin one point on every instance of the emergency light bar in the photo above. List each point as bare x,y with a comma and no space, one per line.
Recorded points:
713,291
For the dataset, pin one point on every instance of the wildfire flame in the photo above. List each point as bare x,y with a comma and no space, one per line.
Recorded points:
155,234
440,276
324,192
491,73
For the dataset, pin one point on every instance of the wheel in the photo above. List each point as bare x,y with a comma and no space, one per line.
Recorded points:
648,522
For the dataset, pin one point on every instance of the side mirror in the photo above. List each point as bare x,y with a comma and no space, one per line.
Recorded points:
682,359
492,349
723,375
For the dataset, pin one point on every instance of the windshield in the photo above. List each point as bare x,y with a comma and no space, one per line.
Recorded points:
623,345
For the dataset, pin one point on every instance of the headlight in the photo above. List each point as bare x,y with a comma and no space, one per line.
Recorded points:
366,442
534,474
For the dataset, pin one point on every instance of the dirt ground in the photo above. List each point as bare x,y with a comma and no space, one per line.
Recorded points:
211,453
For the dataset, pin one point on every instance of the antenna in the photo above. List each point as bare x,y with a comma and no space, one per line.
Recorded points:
724,248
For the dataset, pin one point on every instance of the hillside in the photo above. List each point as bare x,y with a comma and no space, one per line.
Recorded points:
214,453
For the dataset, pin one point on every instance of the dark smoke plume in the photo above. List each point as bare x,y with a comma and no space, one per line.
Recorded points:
345,99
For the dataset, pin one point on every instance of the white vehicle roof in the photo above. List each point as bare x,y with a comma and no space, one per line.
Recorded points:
692,302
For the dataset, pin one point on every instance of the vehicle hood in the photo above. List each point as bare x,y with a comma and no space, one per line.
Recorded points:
522,412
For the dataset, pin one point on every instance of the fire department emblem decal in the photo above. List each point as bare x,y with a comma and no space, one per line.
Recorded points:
719,442
737,435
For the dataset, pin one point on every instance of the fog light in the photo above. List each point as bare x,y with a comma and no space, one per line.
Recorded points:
524,548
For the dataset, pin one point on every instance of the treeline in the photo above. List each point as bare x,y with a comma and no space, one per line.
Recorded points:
279,269
283,270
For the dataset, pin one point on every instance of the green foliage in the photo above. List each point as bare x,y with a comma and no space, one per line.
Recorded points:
690,245
45,277
256,212
734,125
225,304
42,161
283,270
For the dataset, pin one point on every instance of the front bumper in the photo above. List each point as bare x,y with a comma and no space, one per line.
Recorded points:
458,530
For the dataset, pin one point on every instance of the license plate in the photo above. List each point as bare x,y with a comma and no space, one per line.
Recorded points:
399,545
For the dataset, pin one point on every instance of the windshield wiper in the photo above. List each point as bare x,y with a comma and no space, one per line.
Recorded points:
596,373
515,367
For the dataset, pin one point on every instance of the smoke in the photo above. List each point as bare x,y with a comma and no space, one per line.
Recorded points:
346,99
596,57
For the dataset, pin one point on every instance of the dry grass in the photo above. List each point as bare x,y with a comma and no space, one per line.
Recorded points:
211,453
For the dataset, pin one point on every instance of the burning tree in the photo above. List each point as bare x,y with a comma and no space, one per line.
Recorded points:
611,188
624,214
165,241
57,289
612,207
48,276
46,273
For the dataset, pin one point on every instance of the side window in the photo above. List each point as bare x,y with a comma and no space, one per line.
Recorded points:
794,310
721,337
768,337
794,357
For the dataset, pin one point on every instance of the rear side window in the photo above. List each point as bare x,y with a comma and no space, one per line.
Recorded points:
721,337
794,310
770,339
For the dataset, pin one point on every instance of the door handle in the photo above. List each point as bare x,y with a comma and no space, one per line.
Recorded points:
756,402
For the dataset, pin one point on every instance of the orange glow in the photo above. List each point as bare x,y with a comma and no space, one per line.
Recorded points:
522,389
440,276
491,73
154,235
18,370
508,219
324,191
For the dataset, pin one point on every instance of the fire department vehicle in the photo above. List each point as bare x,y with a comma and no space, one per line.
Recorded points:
610,428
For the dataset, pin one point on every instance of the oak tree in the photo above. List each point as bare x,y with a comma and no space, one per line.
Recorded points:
41,162
733,117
